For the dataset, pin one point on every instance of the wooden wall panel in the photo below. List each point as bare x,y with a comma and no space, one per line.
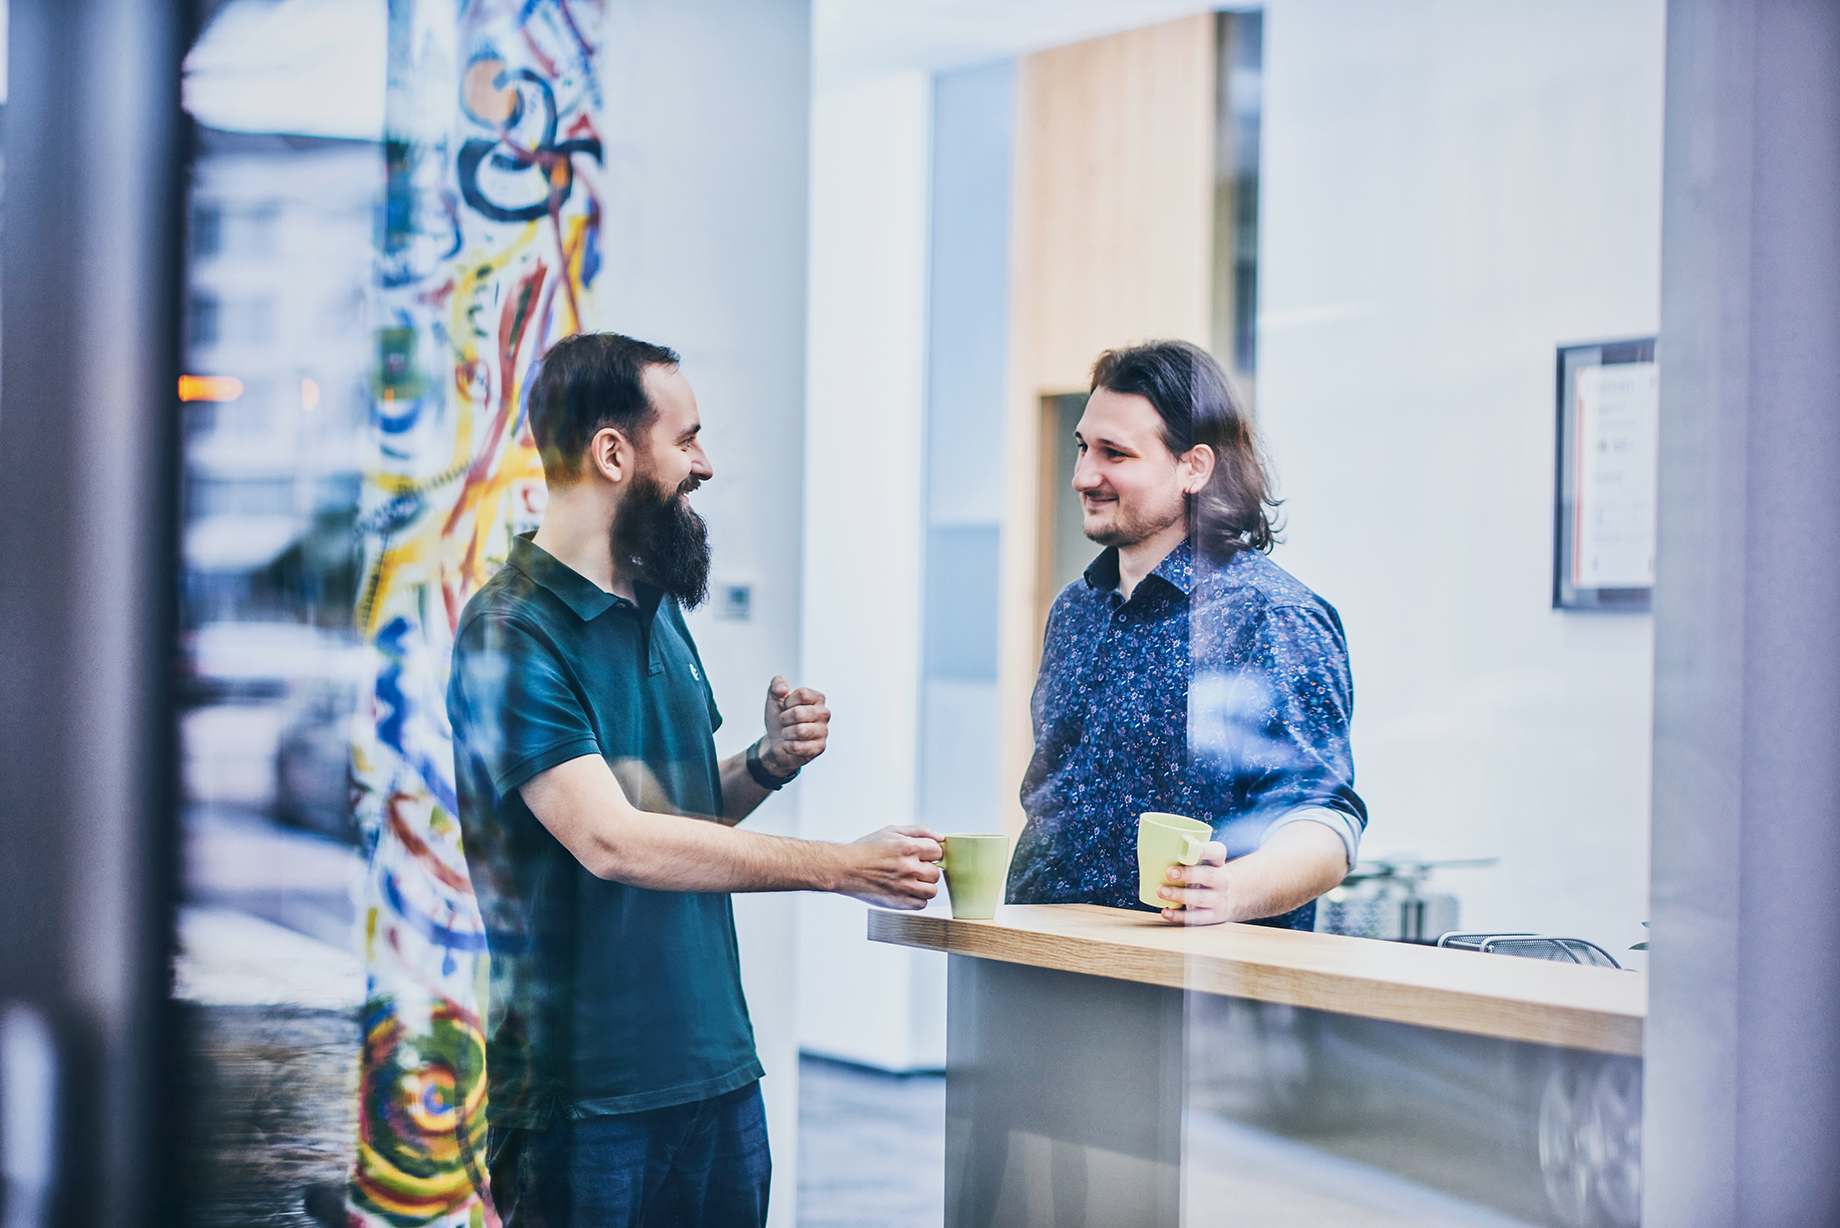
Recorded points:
1112,244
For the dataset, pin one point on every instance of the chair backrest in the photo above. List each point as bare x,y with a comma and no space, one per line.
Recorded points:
1549,947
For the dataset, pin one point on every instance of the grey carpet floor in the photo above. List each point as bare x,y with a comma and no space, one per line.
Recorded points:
871,1147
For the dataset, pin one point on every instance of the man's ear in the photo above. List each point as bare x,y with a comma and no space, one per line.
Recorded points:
611,455
1197,467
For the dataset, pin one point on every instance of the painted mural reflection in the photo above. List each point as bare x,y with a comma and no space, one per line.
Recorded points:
488,254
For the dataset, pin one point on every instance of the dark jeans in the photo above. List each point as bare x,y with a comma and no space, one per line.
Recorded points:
703,1163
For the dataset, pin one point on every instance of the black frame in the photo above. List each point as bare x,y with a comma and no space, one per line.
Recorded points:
1573,358
91,272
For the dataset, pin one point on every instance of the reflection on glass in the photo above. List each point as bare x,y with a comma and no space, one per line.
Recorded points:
1351,1074
278,267
1312,1114
364,318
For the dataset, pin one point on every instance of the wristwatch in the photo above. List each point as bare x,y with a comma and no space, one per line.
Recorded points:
758,770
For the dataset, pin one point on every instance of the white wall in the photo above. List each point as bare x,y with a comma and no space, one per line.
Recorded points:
1451,190
967,359
864,463
705,227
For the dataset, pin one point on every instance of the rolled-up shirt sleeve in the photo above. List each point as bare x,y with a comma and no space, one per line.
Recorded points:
1346,828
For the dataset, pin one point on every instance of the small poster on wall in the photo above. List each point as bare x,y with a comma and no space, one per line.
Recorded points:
1606,488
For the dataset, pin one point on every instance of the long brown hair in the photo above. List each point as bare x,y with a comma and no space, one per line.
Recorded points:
1235,511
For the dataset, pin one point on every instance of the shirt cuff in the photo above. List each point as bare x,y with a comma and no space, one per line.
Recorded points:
1334,820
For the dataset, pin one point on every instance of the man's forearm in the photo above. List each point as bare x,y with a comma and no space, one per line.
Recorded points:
585,807
1298,863
669,853
895,867
741,793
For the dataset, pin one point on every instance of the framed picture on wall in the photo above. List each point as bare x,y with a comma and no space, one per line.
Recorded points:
1605,476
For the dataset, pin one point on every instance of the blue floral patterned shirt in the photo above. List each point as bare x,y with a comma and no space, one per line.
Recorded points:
1221,693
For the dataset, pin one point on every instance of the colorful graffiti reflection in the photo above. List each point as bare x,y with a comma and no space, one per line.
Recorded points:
488,248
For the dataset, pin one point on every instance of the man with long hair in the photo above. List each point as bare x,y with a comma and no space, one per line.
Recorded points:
1186,672
623,1086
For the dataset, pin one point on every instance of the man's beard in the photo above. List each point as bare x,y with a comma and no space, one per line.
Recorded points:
1128,528
658,533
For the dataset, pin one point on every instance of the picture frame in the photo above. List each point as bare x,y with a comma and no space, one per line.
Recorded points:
1604,486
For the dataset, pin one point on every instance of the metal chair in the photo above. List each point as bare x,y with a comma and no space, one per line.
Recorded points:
1549,947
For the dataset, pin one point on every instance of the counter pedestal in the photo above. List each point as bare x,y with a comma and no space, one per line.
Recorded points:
1063,1098
1081,1038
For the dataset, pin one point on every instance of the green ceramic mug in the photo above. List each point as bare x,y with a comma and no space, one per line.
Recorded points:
975,866
1164,840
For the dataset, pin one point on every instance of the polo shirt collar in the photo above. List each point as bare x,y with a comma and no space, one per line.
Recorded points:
573,589
1176,570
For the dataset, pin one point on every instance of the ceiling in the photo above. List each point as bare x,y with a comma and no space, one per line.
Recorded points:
317,67
858,38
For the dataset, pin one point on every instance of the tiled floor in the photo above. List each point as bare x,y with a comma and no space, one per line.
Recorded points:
872,1155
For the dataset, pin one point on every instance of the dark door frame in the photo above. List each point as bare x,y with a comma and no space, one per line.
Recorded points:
89,289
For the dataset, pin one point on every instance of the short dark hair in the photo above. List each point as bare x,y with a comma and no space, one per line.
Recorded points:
587,382
1191,394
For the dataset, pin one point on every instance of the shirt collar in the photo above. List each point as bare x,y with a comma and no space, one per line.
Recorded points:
580,594
1176,570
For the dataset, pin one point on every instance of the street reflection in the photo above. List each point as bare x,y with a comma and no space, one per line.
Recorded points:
278,237
1312,1117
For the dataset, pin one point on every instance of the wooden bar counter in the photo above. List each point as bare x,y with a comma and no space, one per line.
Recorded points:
1072,1050
1516,999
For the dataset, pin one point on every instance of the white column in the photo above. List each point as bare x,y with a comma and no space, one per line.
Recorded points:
864,460
704,241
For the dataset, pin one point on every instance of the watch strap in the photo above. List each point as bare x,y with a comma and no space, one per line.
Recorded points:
762,777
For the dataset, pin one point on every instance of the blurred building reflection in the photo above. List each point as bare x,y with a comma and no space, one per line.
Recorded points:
278,264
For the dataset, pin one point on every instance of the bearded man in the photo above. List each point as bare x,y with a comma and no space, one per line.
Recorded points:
1186,672
623,1086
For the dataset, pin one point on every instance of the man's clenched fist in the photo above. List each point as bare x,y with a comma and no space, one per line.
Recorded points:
798,725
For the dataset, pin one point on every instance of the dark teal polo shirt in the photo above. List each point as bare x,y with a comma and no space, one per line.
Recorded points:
604,998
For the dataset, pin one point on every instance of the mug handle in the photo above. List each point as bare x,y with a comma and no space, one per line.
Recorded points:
1192,847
